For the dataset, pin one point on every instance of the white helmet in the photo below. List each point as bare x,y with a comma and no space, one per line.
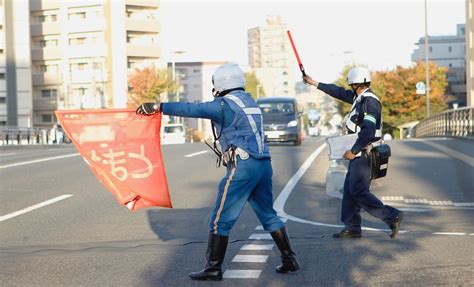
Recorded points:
358,75
228,76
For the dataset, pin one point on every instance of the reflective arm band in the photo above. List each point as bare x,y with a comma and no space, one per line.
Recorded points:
370,118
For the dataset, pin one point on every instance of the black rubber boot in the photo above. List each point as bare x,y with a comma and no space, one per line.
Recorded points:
216,247
288,256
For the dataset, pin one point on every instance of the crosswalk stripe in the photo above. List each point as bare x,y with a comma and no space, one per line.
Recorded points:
250,258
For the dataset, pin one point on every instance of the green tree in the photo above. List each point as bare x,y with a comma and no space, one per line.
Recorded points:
148,85
396,90
252,83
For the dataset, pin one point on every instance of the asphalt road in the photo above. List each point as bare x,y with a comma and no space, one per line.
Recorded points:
86,239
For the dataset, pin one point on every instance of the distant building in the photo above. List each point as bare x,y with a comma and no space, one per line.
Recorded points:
448,51
75,54
16,103
270,56
470,51
195,85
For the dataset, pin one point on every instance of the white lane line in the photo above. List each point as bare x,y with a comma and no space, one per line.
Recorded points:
38,160
250,258
6,154
259,227
257,247
242,274
261,236
471,234
33,207
451,152
449,233
197,153
279,203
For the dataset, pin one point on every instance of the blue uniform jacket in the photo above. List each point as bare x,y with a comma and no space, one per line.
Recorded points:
369,110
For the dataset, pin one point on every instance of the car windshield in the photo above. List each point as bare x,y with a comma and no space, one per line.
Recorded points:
277,108
173,130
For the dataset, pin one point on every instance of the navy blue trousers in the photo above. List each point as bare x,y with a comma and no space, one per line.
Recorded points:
246,180
357,195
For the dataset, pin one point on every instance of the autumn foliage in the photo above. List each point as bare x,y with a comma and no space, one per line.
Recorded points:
147,85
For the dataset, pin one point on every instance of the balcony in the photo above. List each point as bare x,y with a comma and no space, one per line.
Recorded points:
38,5
148,51
46,79
86,51
49,28
146,3
88,76
38,54
86,25
142,25
44,104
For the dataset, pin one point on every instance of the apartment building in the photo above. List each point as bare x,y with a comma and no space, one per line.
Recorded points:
470,52
80,53
448,51
16,105
271,58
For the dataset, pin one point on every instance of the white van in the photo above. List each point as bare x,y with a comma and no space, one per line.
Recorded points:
173,134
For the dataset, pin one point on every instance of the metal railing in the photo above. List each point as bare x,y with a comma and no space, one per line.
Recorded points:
26,136
452,123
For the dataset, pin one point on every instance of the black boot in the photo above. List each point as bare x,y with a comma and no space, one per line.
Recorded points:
288,256
216,247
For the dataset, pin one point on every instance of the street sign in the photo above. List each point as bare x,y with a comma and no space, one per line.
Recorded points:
420,88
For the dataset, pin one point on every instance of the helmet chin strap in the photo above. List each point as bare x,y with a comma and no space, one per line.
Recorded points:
217,94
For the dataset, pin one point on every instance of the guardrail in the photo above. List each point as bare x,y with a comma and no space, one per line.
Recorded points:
453,123
25,136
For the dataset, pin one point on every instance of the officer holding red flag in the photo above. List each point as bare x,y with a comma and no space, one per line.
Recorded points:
238,126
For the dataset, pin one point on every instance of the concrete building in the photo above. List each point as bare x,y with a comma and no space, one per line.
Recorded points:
270,56
195,85
470,51
16,104
78,54
448,51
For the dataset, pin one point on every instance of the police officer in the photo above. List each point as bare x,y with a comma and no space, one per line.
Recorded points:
365,119
238,127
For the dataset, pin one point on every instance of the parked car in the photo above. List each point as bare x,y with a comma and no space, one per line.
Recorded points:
281,119
173,134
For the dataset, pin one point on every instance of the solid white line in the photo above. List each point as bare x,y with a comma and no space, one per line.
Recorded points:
38,160
196,153
250,258
5,154
279,203
257,247
451,152
33,207
449,233
251,274
261,236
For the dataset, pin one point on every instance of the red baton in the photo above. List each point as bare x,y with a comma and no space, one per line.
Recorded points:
296,54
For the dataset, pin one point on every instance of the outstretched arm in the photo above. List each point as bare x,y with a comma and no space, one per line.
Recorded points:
332,90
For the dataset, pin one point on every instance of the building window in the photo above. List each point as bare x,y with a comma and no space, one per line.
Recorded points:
3,100
195,71
450,49
1,27
48,43
47,118
47,18
450,65
47,94
77,16
79,66
431,49
1,51
2,76
77,41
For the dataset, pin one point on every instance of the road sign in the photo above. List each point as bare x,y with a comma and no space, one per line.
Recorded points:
420,88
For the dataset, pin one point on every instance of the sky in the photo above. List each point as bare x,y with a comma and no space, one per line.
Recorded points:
380,34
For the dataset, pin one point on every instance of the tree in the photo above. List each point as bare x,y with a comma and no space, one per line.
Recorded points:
148,85
251,84
396,90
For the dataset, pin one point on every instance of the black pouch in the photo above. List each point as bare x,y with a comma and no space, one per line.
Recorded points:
379,161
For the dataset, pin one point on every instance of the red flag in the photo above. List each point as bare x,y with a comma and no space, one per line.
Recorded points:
123,151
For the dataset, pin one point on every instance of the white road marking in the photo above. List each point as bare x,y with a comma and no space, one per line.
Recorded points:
252,274
38,160
33,207
197,153
250,258
449,233
259,227
451,152
257,247
6,154
261,236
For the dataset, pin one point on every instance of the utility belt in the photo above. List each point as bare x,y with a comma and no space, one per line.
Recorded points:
230,155
378,153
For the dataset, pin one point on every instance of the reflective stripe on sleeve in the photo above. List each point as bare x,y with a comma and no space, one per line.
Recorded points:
370,118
